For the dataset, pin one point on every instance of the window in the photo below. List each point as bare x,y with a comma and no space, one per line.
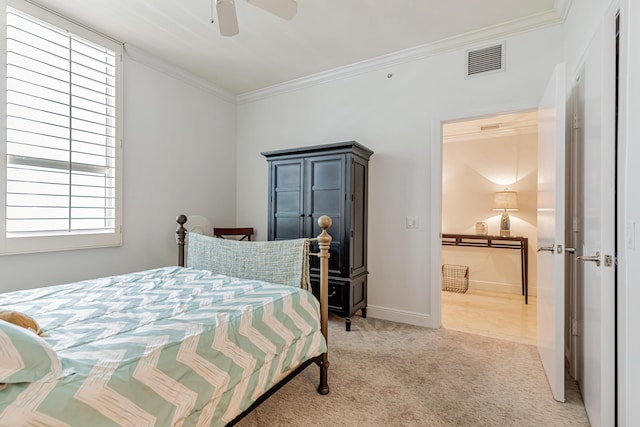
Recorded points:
62,151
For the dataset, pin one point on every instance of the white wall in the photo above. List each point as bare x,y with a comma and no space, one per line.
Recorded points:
399,119
580,25
179,157
473,170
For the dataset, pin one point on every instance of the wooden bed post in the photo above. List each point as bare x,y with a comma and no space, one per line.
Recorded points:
181,232
324,242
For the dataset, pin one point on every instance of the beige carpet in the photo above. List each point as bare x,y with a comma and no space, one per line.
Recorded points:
389,374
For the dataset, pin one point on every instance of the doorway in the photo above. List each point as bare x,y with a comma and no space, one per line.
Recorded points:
482,157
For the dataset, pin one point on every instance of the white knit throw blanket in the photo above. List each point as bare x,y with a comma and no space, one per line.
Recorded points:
281,261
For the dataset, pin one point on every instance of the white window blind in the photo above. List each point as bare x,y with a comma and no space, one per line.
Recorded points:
61,133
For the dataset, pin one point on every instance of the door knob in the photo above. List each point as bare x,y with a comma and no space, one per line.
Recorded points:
546,249
595,258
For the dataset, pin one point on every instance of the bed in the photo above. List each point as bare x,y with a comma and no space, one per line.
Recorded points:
171,346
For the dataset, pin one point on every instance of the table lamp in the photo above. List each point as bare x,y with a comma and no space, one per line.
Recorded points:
505,201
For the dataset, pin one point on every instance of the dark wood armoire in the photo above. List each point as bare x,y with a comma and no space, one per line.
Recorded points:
330,179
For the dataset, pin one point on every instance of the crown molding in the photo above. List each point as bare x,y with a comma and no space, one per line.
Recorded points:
145,58
532,22
562,7
521,25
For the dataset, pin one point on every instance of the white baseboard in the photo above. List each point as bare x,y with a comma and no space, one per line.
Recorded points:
401,316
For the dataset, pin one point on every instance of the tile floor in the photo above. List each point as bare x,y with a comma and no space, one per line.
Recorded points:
493,314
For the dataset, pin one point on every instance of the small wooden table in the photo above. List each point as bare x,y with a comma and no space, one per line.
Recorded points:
499,242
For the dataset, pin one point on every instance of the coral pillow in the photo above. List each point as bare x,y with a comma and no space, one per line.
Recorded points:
25,357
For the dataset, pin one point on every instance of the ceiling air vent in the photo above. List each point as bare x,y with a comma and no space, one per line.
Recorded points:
485,60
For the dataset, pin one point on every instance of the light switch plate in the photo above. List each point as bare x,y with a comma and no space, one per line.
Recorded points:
413,222
631,235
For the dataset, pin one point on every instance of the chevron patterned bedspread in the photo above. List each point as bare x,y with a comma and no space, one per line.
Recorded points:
165,347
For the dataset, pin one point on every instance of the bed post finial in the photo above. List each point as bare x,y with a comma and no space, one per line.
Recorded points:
181,233
324,243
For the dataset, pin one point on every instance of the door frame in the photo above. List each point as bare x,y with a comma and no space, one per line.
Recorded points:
572,273
435,203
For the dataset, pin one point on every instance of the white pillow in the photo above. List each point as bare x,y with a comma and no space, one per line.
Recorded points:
25,357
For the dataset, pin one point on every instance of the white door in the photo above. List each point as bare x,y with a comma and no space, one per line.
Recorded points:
596,218
551,217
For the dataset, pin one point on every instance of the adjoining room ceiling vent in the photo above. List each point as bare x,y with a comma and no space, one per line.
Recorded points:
485,60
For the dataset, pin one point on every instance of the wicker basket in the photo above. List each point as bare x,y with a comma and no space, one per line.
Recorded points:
455,278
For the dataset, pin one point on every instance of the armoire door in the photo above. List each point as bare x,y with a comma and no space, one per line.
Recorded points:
287,214
358,218
325,195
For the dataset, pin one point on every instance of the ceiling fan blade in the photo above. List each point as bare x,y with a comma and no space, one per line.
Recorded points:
286,9
227,18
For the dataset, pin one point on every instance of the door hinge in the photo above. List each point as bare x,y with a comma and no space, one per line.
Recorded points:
575,121
574,327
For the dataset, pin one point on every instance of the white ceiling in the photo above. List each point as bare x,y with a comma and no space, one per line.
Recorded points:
325,34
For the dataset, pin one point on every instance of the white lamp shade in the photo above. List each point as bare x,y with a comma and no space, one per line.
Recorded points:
505,201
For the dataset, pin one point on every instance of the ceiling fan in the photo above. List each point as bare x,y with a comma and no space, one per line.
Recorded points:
228,21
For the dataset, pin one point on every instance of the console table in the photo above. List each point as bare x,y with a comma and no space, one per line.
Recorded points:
499,242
